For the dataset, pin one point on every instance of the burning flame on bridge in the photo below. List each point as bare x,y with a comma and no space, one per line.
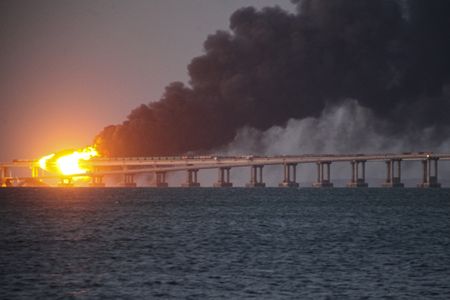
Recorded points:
68,162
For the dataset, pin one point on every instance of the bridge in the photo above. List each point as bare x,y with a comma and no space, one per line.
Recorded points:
129,167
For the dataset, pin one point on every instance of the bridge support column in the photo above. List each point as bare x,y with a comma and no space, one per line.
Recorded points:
5,177
289,181
323,175
223,178
430,174
4,172
358,178
34,172
191,179
97,181
393,179
161,180
256,177
65,182
128,180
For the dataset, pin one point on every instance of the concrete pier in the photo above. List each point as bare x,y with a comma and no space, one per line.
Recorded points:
65,182
128,180
358,178
223,178
6,182
5,179
161,180
323,175
191,179
256,176
35,172
4,172
430,174
290,178
97,181
393,179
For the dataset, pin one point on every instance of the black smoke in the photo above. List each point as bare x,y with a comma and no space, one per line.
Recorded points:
393,56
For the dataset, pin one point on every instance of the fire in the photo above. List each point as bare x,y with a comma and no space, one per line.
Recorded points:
68,162
43,161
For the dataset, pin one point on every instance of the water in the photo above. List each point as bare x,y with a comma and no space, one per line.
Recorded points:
224,243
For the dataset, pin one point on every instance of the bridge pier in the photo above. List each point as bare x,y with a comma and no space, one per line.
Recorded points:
287,182
4,172
191,179
430,178
323,175
5,177
358,179
65,182
34,172
223,178
128,180
393,179
97,181
256,177
161,180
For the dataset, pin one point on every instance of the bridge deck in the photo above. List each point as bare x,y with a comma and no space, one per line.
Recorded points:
135,165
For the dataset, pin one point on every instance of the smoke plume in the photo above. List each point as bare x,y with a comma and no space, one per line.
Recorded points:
274,68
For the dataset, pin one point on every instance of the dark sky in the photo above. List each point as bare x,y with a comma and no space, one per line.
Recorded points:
69,68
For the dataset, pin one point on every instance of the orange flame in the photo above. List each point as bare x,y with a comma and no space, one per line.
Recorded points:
68,162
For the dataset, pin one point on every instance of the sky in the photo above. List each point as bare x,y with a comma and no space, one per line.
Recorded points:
70,68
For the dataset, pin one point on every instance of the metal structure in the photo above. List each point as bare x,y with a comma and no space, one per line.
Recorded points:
129,167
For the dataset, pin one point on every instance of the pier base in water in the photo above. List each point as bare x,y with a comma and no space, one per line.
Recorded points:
290,184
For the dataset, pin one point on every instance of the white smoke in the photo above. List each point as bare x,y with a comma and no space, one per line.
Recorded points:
340,129
348,128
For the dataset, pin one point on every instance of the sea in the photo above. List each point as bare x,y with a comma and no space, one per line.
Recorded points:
230,243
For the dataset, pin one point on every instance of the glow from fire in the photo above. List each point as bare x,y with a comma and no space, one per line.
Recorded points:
43,160
68,162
